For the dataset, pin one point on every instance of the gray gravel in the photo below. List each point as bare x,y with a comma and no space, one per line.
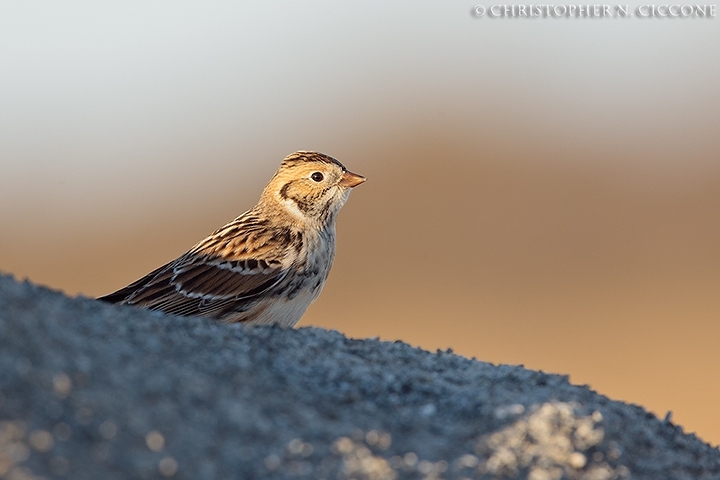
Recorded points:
96,391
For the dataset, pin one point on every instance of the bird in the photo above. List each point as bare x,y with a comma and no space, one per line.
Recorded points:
266,266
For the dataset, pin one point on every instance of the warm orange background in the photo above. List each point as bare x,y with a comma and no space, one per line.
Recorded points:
541,192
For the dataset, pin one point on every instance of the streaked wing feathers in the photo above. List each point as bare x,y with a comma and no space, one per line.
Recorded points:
125,293
218,279
221,275
194,285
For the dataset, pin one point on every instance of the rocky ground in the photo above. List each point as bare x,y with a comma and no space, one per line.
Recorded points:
95,391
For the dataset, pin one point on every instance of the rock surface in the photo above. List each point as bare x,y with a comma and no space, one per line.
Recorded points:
90,390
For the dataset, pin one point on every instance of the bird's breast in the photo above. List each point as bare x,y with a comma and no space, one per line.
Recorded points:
312,265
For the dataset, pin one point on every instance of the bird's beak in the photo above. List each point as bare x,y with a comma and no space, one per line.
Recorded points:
350,179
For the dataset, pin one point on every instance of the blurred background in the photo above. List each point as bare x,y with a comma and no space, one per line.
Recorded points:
541,192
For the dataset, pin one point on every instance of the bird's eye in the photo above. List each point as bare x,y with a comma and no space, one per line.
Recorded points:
317,176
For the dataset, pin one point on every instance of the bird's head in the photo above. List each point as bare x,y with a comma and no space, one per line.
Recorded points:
311,187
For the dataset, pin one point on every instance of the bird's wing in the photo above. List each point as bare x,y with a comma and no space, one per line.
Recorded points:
125,293
201,286
214,277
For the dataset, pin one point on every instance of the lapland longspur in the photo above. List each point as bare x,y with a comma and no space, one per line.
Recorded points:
266,266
